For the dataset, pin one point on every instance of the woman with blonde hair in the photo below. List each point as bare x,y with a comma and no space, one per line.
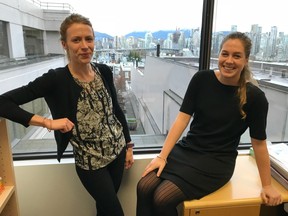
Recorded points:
85,112
223,104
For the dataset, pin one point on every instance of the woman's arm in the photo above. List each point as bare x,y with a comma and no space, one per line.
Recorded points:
11,101
179,125
269,195
63,125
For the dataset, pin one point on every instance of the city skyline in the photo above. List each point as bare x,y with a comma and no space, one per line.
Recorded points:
267,46
185,29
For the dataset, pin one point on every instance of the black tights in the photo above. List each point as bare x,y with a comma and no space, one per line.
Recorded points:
103,185
158,197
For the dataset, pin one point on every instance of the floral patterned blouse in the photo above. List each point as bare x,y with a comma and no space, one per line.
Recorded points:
97,136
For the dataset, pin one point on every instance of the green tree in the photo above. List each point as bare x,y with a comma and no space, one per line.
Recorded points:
134,55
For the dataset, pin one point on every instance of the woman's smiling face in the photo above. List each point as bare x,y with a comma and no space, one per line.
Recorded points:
231,62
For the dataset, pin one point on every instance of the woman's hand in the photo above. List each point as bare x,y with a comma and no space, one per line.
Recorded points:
64,125
270,196
129,160
157,163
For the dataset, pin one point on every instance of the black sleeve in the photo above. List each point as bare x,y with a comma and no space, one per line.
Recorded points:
257,117
10,101
10,109
188,105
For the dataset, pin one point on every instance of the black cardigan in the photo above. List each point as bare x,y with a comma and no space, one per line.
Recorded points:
61,93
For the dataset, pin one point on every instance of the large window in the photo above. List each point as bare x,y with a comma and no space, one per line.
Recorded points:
152,29
153,48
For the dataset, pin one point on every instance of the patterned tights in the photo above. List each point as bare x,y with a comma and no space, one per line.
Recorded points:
158,197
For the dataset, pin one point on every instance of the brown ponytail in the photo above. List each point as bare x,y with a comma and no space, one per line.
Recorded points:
246,74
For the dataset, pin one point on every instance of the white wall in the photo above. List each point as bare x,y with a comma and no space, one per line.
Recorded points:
21,12
25,13
15,77
47,188
160,75
8,7
277,114
54,43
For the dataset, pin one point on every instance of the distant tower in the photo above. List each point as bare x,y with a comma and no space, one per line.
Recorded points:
148,39
175,40
273,41
255,36
233,28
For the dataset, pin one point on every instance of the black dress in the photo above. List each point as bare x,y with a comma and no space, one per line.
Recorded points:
204,160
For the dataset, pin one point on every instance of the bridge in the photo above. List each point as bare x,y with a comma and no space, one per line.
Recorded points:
126,51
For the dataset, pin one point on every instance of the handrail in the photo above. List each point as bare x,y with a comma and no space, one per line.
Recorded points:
52,5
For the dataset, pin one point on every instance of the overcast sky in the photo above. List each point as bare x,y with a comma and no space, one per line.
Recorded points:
119,17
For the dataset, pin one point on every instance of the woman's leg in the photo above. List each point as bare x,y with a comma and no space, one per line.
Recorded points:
103,184
116,169
166,199
145,192
158,197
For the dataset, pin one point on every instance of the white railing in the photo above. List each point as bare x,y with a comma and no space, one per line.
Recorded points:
52,5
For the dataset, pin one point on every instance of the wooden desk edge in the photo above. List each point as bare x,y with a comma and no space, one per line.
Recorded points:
201,203
217,203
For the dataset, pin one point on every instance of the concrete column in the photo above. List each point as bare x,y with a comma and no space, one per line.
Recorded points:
15,40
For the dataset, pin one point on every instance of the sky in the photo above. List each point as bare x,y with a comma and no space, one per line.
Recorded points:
120,17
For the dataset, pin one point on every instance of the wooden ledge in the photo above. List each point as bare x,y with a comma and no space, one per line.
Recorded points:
244,188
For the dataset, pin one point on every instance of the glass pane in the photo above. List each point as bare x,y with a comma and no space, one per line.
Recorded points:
33,41
263,22
4,50
129,38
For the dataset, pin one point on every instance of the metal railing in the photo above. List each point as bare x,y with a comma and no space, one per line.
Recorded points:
52,5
